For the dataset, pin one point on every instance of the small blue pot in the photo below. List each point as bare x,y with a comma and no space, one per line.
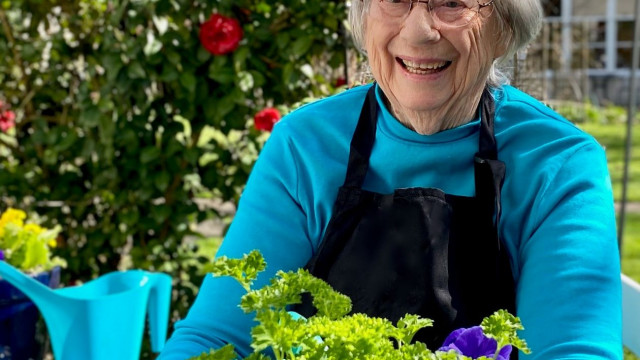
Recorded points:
18,319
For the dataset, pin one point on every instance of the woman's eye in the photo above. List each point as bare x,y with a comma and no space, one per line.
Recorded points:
394,1
452,4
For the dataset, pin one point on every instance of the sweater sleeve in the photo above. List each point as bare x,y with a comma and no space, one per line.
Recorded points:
270,219
569,292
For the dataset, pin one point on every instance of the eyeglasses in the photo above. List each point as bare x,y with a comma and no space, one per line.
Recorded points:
448,13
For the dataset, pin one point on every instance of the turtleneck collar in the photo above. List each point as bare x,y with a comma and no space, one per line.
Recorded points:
391,127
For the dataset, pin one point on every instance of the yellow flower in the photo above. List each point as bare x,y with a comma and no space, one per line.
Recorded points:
12,216
26,244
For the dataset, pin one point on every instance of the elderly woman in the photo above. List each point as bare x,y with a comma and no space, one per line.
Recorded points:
438,190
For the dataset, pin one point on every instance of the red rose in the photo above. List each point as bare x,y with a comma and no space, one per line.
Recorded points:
341,81
220,35
7,120
265,119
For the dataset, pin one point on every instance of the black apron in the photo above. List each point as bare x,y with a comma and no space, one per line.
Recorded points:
418,250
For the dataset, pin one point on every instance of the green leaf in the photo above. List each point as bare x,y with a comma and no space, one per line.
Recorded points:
129,216
183,136
226,352
263,7
244,270
188,80
203,55
50,157
173,57
240,57
90,117
136,71
409,325
504,327
301,46
223,75
221,71
68,140
169,73
258,79
216,109
257,356
112,64
162,180
149,154
160,213
287,75
36,253
282,40
286,288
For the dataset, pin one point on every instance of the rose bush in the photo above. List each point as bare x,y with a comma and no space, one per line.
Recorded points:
125,111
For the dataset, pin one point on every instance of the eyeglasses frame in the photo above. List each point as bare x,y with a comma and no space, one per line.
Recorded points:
428,3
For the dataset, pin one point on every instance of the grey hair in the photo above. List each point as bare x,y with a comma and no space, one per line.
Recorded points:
519,20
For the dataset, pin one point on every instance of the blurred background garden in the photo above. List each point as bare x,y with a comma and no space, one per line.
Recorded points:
133,124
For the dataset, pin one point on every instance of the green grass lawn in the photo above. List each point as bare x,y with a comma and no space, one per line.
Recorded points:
631,257
631,247
612,137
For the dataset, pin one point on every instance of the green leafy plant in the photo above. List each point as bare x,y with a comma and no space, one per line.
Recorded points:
333,333
123,112
25,244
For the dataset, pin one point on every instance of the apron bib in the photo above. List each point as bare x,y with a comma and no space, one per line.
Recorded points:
418,250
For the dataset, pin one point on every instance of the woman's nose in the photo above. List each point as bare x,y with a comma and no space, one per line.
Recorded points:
419,25
416,2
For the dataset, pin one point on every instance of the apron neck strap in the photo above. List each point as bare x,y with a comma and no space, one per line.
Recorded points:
489,171
487,148
365,134
362,141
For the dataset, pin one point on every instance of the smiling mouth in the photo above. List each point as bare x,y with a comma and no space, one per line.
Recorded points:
423,68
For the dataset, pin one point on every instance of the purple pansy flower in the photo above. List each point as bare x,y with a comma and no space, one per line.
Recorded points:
1,255
472,342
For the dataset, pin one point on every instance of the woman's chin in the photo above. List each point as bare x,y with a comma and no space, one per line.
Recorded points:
421,102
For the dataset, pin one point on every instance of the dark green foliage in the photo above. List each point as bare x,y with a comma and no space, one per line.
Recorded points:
123,117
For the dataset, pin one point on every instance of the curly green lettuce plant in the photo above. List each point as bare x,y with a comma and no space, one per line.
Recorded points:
333,333
25,244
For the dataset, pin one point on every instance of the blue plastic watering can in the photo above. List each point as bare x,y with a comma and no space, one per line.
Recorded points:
104,318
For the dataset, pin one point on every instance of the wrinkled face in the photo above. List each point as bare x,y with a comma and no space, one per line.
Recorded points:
429,72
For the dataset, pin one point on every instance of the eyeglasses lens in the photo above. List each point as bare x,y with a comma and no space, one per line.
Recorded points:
451,13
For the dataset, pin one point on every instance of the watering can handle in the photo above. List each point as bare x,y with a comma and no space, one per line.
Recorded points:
158,309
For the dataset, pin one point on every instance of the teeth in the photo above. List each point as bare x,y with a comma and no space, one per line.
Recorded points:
413,66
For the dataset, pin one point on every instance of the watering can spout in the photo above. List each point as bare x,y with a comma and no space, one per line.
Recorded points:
158,309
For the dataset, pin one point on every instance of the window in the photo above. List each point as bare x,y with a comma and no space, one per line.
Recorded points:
551,7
